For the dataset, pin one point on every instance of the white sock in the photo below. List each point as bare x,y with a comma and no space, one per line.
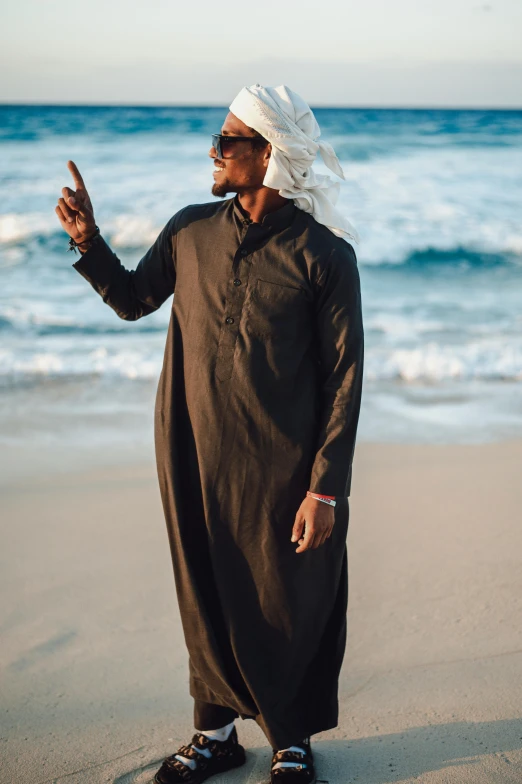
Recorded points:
290,764
220,734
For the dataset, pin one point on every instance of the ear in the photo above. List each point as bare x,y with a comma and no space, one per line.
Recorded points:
266,156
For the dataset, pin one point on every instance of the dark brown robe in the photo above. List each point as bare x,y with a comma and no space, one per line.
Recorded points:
257,402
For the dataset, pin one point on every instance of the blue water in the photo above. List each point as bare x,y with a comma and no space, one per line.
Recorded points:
435,194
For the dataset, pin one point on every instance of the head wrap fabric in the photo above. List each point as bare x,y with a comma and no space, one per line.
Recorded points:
287,122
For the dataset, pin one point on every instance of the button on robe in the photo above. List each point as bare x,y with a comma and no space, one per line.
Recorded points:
257,402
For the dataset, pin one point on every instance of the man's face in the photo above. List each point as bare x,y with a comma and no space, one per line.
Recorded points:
244,167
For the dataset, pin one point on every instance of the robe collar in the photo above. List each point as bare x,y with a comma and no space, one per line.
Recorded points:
277,219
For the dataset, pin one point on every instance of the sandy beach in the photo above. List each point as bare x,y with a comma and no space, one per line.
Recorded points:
94,667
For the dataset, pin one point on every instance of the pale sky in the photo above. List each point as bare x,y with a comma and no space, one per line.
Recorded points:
333,52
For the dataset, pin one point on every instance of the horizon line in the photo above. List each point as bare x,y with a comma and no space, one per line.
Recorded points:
358,107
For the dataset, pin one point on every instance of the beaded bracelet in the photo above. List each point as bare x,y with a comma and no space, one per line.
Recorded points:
73,244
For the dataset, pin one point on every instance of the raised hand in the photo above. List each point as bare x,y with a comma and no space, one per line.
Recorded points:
74,208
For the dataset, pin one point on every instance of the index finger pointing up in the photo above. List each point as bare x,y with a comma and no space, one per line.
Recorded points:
77,177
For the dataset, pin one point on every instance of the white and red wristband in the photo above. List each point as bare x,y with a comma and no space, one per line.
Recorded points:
327,499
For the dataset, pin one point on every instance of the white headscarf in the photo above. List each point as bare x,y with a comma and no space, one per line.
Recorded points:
287,122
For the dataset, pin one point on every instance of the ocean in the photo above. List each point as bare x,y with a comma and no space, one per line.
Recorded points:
436,196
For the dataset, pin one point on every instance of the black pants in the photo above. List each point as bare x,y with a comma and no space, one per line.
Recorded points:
208,716
211,717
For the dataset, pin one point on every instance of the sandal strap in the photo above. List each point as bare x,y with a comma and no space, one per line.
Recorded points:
289,756
203,741
185,771
190,753
303,763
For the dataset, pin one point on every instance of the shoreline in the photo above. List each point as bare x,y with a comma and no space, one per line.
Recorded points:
19,462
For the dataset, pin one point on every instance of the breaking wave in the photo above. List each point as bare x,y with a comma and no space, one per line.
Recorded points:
21,234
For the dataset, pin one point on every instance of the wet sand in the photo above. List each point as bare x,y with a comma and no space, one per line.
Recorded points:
94,667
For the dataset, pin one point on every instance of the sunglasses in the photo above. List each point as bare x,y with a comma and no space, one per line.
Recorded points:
224,145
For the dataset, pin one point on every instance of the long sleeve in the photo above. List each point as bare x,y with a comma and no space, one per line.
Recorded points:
132,293
340,340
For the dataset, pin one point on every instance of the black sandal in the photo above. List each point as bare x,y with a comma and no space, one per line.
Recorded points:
303,773
226,754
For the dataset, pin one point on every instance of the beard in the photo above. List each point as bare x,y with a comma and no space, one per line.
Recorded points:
221,189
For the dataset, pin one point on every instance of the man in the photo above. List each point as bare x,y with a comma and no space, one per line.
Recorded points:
255,425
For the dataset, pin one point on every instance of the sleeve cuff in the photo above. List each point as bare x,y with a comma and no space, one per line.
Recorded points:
333,481
96,264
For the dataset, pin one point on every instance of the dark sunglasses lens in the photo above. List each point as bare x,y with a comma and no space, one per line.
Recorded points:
224,145
216,143
227,147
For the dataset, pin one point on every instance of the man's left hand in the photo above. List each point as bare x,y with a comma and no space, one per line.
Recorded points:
316,519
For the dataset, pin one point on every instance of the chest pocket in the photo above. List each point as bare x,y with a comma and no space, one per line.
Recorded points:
276,311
